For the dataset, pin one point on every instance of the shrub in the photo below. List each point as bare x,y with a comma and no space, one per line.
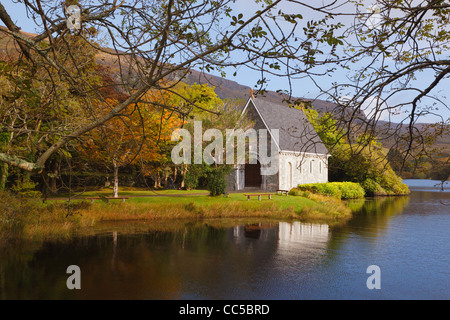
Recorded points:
26,189
392,184
191,180
387,185
339,190
298,192
351,190
372,188
216,181
15,212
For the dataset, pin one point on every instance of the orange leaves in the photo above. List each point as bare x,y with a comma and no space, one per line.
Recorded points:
141,135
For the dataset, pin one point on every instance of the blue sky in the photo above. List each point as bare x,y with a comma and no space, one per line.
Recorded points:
301,87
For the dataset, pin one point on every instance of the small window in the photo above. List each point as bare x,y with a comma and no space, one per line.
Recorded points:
320,166
311,166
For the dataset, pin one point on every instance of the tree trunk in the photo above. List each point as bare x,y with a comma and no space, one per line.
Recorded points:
4,175
158,179
4,167
155,184
183,175
20,163
166,176
116,180
175,169
53,187
54,179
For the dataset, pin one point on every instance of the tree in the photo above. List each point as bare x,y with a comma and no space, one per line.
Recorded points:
150,43
396,54
158,123
113,144
37,106
360,159
227,116
441,171
140,136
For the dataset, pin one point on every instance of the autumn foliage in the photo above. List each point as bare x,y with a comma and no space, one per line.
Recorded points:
139,136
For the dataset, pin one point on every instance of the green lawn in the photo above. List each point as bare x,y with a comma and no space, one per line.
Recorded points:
199,200
186,204
283,202
125,192
201,197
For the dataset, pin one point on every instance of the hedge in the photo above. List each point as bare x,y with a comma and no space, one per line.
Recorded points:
340,190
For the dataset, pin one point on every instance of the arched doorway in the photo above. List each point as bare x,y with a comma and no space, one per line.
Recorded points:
253,175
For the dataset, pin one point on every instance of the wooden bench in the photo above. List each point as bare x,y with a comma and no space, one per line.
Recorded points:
283,192
107,198
259,195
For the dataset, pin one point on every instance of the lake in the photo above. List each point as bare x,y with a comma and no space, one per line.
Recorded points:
406,237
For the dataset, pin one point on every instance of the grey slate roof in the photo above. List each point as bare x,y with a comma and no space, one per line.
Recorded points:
295,131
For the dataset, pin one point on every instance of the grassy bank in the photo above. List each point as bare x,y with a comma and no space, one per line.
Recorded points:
56,219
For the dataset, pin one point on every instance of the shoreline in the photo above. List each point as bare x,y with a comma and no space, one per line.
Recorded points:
56,220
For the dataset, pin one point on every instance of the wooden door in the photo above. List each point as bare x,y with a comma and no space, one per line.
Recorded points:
253,175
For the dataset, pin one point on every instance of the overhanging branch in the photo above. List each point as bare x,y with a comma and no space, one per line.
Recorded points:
20,163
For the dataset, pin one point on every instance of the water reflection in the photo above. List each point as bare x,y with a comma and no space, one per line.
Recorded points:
302,242
375,213
302,234
261,259
200,261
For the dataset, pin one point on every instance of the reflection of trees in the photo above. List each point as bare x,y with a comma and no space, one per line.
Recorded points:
154,264
201,259
373,212
376,212
15,260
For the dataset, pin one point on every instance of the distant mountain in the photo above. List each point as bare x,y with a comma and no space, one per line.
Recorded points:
229,89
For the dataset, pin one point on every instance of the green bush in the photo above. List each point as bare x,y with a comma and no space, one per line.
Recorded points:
392,184
328,189
216,184
386,185
216,180
25,188
340,190
191,180
372,187
351,190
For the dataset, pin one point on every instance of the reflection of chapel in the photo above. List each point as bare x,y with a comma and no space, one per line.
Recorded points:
302,157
